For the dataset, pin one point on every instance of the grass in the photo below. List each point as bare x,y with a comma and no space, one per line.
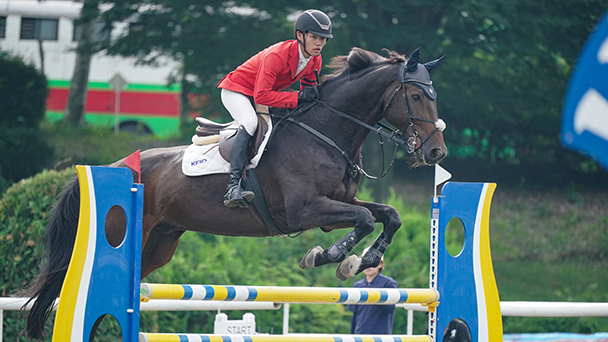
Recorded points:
553,225
567,280
551,246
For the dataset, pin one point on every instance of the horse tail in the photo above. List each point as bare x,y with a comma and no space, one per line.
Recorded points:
59,240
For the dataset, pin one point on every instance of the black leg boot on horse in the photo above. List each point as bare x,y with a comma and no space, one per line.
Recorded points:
235,195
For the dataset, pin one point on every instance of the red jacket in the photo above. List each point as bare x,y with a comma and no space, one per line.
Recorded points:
272,70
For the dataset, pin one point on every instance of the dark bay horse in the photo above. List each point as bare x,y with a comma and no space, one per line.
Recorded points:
307,182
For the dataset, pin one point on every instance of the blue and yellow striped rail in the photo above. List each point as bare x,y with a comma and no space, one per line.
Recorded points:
144,337
277,294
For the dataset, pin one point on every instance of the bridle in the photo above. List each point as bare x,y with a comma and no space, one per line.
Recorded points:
382,129
412,140
393,133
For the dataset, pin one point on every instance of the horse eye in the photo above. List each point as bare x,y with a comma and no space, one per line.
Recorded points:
416,97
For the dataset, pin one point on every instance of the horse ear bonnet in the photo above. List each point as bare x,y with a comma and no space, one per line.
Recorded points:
430,66
421,78
419,74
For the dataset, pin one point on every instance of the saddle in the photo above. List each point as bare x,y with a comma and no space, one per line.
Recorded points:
209,132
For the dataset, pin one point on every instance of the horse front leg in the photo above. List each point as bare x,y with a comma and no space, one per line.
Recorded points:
391,221
325,212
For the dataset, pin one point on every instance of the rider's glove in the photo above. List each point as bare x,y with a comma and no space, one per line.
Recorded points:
308,94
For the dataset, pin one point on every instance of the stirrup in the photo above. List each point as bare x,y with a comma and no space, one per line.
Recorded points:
236,196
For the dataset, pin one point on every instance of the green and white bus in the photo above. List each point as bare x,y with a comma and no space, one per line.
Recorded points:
146,102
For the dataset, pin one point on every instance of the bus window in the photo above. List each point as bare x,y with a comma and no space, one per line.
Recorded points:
2,27
36,28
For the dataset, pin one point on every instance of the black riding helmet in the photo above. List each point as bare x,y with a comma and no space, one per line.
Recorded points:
313,21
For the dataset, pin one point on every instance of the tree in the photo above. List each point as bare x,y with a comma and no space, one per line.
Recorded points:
74,113
500,87
209,39
502,84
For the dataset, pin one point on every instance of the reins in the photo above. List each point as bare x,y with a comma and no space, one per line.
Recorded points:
353,169
395,136
381,129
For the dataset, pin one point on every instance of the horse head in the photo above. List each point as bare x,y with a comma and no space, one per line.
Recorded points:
421,125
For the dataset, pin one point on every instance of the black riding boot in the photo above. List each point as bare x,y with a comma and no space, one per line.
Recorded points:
235,195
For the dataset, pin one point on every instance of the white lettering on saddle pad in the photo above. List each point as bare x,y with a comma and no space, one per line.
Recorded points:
200,160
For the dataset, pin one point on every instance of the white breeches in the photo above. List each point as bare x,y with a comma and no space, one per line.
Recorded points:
240,108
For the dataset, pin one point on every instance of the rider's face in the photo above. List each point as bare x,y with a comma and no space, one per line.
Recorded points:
314,44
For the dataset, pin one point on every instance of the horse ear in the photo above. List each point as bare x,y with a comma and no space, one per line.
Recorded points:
412,62
433,64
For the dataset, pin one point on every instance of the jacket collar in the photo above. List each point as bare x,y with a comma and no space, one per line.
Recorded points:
294,58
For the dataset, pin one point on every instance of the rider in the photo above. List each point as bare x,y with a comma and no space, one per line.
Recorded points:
261,78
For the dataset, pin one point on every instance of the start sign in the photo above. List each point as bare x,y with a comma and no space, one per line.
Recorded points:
224,326
585,114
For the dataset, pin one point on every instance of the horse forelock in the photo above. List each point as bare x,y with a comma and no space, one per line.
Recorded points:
358,60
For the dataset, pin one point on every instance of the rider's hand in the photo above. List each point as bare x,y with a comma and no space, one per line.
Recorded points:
308,94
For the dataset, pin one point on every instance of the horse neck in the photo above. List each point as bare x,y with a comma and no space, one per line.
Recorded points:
361,98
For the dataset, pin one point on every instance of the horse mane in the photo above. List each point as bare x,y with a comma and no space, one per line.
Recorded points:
359,59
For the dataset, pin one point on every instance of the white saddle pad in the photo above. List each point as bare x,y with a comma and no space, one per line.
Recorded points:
200,160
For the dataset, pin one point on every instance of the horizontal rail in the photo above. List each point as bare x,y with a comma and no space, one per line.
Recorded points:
413,307
278,294
540,309
515,309
554,309
182,305
15,304
144,337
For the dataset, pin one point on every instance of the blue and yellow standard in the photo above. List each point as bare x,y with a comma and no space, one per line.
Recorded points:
94,288
466,284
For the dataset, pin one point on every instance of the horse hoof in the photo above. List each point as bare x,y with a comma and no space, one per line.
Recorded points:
348,267
308,261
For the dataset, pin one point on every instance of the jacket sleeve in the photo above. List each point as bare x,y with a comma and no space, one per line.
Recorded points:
270,67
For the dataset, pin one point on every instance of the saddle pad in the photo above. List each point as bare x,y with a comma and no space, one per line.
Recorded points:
200,160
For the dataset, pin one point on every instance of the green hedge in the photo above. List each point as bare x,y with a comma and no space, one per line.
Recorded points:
24,211
23,153
23,92
23,150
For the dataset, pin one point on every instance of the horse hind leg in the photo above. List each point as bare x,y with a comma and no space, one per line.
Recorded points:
329,213
308,261
317,256
337,253
353,265
389,217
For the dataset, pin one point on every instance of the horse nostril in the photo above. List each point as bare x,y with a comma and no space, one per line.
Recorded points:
437,153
